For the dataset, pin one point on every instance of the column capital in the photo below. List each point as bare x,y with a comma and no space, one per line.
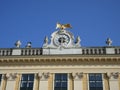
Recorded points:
77,75
36,75
113,75
11,76
44,75
4,76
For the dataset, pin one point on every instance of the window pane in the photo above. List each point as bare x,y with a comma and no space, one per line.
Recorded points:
23,88
91,78
64,77
64,84
92,84
29,88
57,77
99,84
57,88
31,77
23,84
93,88
99,88
30,84
63,88
24,77
99,77
57,84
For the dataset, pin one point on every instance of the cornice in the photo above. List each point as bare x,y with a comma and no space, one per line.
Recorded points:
114,59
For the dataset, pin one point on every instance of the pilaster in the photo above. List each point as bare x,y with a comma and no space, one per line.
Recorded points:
113,80
50,82
17,82
43,82
119,81
106,82
11,77
78,80
4,82
70,82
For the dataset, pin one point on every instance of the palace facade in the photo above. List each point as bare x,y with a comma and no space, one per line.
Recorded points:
61,64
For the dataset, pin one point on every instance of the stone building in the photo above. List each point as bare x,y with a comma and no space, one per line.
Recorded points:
61,64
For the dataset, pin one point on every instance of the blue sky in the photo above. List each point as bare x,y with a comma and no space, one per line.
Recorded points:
32,20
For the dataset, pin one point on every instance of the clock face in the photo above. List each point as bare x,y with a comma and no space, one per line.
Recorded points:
61,40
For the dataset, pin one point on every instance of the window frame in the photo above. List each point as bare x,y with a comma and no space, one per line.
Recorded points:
26,80
98,81
61,81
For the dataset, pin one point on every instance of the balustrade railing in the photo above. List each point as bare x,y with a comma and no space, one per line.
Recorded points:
39,51
5,52
90,51
31,51
117,50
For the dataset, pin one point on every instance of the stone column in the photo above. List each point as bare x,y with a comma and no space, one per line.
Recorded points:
11,81
113,80
78,84
43,82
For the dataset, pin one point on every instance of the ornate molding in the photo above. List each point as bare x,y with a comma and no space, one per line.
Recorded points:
77,75
64,58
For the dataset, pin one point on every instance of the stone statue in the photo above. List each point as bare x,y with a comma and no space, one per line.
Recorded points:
77,42
18,44
63,26
28,45
45,41
109,42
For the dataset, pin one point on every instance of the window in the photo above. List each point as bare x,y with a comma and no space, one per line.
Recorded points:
0,79
27,81
95,81
60,82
